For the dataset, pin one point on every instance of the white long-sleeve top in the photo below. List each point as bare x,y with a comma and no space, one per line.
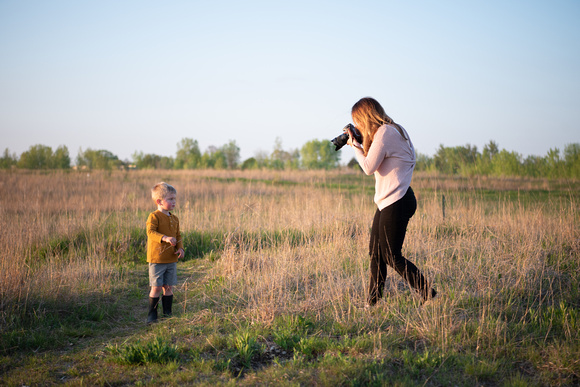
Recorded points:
391,158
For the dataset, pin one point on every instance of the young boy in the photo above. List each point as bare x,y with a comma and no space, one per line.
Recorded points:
164,248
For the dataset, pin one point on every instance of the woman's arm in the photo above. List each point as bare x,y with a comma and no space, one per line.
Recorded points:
375,155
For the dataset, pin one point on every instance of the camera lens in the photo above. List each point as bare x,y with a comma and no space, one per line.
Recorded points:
340,141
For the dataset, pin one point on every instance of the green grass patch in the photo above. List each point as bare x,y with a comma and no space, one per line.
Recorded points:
49,325
156,351
246,346
499,324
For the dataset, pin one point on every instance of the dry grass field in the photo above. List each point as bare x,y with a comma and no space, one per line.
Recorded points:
272,289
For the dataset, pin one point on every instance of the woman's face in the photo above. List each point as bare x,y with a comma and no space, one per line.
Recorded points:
357,123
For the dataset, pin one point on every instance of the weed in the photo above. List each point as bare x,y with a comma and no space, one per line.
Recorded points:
421,363
156,351
312,346
289,330
246,346
504,257
481,369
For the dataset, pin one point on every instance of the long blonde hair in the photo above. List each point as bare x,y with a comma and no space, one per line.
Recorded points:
368,116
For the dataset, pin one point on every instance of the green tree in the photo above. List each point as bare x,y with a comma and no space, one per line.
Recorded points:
454,160
42,157
535,166
152,161
424,162
188,154
490,150
278,155
354,164
61,158
572,160
7,160
213,158
166,162
318,154
507,164
206,160
250,163
97,159
219,159
484,161
262,159
281,159
231,154
554,163
36,157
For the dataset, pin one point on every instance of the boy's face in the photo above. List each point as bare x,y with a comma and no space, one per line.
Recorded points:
167,203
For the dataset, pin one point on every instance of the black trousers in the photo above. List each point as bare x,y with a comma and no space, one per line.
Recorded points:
387,237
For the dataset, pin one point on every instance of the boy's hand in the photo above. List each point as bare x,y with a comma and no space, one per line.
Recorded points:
180,253
171,240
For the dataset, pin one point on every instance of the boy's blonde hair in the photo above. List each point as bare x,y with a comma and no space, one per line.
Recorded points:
162,190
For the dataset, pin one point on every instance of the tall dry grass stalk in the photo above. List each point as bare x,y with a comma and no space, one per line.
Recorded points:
53,240
498,258
301,247
59,225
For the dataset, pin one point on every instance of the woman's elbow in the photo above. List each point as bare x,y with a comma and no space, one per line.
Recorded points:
368,171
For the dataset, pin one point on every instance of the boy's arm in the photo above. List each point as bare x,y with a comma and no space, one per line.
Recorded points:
152,226
178,236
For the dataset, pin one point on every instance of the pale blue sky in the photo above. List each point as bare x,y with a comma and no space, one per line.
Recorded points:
132,76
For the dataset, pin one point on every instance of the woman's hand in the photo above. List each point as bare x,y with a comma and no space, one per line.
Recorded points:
351,140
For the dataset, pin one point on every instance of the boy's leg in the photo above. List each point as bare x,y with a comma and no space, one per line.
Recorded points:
167,290
169,281
167,301
153,302
156,291
156,282
152,315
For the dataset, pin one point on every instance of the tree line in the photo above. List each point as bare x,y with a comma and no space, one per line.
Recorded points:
316,154
468,161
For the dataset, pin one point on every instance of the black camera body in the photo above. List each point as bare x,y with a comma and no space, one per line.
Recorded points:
341,140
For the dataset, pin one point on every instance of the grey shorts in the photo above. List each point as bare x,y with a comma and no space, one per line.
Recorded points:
163,274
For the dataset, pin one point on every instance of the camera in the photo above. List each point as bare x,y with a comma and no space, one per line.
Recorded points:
340,141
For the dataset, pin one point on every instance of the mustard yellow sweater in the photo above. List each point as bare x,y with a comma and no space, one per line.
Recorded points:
158,226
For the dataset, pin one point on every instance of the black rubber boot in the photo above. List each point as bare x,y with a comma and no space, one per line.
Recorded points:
167,302
152,316
432,293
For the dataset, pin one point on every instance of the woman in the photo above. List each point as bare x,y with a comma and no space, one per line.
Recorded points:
388,153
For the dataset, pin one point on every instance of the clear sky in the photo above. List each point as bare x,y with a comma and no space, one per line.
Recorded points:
130,76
